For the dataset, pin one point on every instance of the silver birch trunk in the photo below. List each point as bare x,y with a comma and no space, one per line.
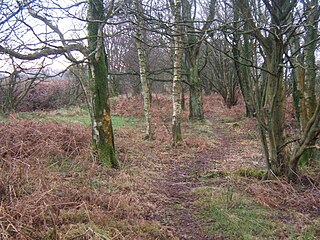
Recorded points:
177,75
140,38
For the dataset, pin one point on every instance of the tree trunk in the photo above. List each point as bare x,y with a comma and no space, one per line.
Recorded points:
183,100
271,116
102,131
296,74
195,89
312,8
194,41
140,38
177,75
242,70
274,106
310,135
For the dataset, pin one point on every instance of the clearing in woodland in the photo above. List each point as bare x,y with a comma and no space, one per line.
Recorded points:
207,187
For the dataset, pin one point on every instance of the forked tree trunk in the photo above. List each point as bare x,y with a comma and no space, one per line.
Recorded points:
194,41
274,106
271,115
146,92
102,131
177,74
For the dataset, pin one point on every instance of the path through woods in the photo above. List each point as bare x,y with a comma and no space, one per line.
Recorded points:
182,176
159,193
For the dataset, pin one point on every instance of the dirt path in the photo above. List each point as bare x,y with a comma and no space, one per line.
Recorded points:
224,142
180,212
182,177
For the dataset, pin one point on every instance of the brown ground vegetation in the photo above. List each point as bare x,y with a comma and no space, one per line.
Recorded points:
51,187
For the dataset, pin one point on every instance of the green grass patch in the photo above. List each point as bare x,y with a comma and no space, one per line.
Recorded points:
124,121
229,119
235,216
77,231
251,173
213,174
242,172
3,118
74,114
64,165
232,215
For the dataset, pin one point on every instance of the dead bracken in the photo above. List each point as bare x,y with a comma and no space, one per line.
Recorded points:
51,187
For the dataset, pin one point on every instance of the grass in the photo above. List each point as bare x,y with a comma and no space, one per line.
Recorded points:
232,215
251,173
73,114
3,119
77,231
64,165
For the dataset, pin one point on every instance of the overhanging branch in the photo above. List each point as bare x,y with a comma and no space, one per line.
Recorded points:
44,52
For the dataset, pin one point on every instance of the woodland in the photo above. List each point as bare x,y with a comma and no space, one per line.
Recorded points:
159,119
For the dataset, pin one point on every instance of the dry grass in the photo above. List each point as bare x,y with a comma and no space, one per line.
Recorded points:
32,140
52,188
281,195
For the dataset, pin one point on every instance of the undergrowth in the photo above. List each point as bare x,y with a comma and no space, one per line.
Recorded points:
51,187
233,215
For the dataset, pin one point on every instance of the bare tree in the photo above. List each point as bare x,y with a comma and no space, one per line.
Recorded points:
195,36
141,38
50,41
274,35
103,137
177,72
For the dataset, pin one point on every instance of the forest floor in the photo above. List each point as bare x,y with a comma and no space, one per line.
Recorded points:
209,186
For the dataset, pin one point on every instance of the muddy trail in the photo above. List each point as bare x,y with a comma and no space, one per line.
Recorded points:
183,176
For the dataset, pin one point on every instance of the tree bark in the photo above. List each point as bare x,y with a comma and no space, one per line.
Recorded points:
177,74
194,42
274,108
313,13
311,134
271,116
242,70
195,88
102,131
146,92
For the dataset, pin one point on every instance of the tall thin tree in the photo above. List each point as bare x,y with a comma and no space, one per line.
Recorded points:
102,131
177,72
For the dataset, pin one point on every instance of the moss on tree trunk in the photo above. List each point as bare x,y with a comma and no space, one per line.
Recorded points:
102,131
195,89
